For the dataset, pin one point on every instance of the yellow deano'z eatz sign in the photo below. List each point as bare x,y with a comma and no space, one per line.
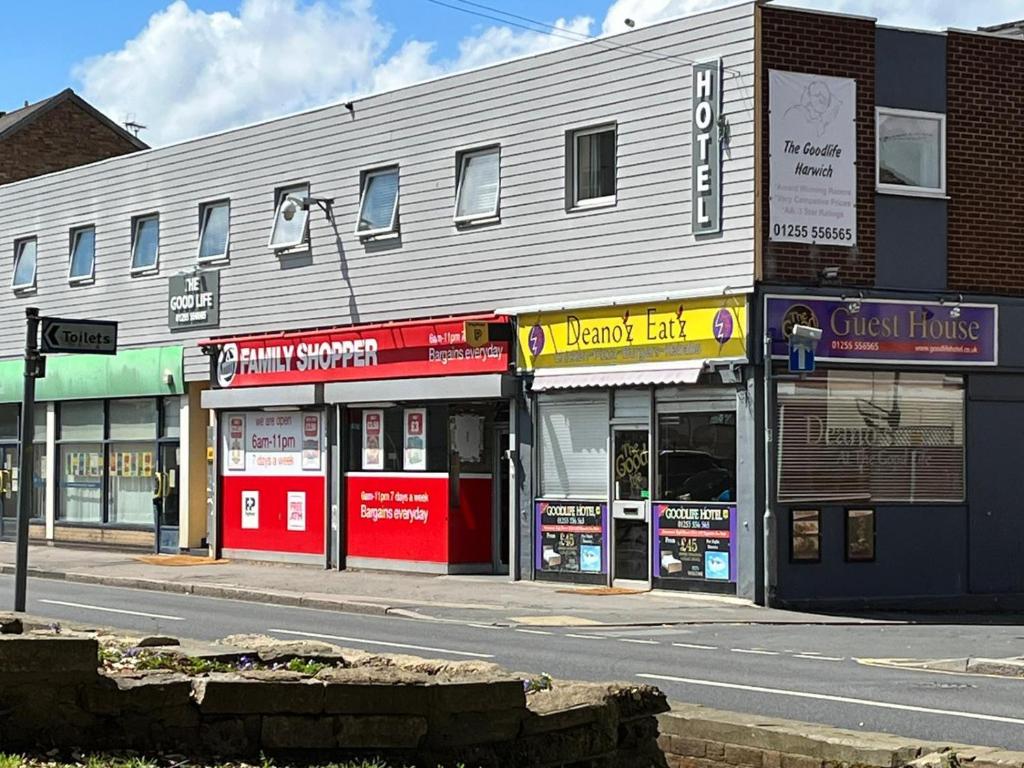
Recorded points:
694,329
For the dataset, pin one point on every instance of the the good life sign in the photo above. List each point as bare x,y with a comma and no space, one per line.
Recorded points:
813,158
706,148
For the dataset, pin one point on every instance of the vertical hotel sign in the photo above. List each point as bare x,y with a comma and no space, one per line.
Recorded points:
706,148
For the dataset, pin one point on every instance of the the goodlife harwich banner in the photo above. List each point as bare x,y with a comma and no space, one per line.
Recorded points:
813,158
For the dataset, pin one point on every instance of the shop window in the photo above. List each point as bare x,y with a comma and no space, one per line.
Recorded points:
107,460
871,436
593,166
145,243
377,440
697,456
39,454
573,447
470,427
911,152
171,423
24,265
214,230
860,535
82,260
805,535
378,203
9,416
291,218
479,185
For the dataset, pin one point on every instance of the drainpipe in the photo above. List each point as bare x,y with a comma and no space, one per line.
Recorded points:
770,537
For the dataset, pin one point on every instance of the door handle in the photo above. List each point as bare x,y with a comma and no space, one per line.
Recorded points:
158,486
7,483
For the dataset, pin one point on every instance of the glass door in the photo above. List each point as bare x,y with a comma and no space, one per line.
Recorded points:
630,497
165,498
9,491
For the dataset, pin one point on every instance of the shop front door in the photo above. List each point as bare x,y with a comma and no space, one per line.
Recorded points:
8,491
165,499
630,497
500,527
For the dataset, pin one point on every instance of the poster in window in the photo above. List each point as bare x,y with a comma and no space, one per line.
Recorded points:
296,510
571,536
695,541
373,439
415,439
236,442
251,509
311,441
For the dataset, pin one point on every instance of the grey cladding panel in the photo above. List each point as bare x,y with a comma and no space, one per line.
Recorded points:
537,253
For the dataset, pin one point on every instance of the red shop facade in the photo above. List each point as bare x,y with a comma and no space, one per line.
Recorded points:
374,446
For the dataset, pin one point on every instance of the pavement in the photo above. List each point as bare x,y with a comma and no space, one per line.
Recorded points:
491,600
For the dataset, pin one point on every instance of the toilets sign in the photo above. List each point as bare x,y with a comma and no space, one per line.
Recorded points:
706,148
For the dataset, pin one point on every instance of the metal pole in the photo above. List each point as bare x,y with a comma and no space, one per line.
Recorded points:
770,534
25,480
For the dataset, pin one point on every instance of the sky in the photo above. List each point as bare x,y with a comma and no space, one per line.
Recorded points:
186,68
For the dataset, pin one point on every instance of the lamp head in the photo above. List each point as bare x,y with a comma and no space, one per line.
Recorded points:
291,206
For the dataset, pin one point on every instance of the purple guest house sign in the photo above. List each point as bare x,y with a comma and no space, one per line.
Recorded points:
881,330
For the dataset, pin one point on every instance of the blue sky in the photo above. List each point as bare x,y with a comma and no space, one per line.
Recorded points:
189,67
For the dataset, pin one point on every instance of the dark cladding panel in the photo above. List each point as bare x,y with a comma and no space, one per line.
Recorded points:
910,250
910,70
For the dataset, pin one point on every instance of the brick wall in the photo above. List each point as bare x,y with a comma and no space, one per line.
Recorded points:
64,137
985,165
798,41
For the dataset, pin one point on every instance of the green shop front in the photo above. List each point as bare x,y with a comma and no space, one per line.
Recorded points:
110,434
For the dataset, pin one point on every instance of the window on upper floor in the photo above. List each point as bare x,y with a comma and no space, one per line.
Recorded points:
593,166
911,152
214,230
82,258
378,203
24,264
145,243
479,185
291,218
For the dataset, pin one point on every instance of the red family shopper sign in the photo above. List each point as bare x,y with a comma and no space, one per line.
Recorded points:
398,350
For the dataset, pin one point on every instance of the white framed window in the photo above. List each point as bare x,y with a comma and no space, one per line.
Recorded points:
910,152
145,243
593,166
82,256
24,278
478,191
291,218
378,203
214,230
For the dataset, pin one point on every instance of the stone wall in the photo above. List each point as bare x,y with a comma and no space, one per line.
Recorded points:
405,710
698,737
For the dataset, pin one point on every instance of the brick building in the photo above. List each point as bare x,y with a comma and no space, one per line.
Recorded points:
893,467
60,132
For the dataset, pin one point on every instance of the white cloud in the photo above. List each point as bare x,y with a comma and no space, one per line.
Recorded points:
190,72
923,14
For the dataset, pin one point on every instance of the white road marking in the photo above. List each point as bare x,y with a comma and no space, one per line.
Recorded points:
840,699
755,651
817,658
112,610
585,637
383,643
696,646
485,626
534,632
638,642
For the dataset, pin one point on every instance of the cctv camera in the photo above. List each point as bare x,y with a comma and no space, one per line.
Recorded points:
292,205
805,333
